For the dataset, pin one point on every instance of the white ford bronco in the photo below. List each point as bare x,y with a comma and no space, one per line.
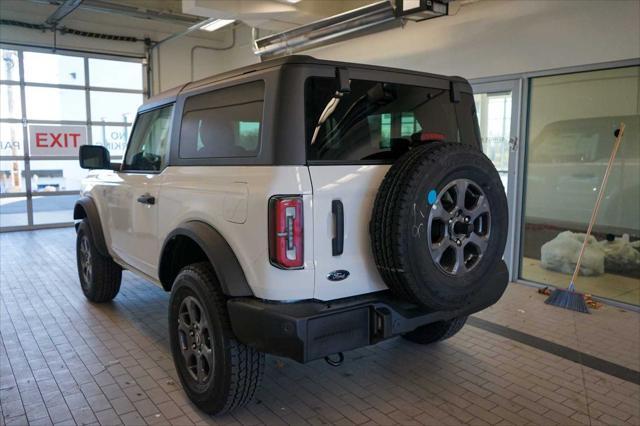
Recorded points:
300,208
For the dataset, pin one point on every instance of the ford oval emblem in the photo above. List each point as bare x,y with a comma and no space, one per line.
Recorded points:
338,275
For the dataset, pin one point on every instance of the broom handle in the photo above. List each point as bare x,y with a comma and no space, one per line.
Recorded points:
594,213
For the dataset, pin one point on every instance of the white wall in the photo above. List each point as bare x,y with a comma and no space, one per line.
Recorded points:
487,38
175,64
171,61
177,67
495,37
484,39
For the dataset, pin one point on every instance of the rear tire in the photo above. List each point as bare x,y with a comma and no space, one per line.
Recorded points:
436,331
100,276
218,373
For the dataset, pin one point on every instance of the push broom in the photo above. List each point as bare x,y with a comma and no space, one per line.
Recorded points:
569,298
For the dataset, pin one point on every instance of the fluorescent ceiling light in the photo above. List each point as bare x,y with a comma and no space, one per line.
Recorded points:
217,24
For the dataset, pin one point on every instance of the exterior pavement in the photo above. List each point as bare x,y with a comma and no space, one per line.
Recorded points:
64,360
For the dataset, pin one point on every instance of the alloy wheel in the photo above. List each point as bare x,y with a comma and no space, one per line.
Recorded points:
196,340
459,226
85,260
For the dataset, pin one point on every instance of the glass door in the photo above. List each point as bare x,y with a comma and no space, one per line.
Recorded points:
497,106
572,119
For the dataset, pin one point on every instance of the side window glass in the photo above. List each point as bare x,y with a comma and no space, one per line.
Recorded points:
225,123
149,143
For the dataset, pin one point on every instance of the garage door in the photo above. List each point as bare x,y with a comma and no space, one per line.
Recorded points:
51,104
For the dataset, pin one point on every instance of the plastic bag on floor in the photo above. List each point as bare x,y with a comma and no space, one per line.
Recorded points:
620,256
561,254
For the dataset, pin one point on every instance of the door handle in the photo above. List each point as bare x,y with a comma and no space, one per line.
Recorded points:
147,199
337,243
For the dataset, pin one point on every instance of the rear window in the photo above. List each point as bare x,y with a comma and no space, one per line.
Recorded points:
224,123
378,121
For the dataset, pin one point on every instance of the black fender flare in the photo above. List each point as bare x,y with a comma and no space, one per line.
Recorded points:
85,208
219,253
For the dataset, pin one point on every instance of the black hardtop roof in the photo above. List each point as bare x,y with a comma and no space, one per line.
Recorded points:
171,94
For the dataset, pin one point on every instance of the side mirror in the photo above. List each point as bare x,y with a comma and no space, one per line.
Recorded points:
94,157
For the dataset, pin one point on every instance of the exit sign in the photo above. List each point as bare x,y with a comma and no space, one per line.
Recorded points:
56,141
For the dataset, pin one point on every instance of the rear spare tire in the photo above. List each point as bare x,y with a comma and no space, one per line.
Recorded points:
439,224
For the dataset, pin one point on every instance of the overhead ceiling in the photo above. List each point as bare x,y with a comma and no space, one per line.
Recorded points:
160,18
89,19
275,15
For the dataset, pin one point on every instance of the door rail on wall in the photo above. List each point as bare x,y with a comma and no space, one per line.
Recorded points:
517,216
98,53
557,71
25,174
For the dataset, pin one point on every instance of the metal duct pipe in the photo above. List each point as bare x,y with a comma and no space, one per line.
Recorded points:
325,30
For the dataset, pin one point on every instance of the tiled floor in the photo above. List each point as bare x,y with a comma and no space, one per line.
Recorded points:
64,360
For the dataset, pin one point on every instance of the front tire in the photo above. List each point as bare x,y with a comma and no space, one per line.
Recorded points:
436,331
218,373
100,276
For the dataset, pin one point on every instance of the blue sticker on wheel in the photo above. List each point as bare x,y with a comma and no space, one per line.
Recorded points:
432,196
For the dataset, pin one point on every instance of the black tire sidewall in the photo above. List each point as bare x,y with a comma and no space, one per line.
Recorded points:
436,332
88,288
189,284
429,282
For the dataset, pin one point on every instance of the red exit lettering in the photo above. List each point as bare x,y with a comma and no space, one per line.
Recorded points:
53,140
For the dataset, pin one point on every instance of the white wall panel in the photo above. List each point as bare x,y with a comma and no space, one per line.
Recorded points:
495,37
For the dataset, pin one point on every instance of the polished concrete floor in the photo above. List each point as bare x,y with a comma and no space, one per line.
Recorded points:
64,360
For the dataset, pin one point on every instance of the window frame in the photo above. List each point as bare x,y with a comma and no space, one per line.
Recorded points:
166,155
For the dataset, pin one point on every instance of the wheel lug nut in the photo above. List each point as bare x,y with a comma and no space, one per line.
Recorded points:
458,242
466,219
193,346
191,333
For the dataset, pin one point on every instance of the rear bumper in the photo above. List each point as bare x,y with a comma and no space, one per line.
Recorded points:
309,330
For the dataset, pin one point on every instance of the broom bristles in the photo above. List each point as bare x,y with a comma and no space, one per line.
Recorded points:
568,299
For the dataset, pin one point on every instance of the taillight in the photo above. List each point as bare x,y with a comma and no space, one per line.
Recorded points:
286,232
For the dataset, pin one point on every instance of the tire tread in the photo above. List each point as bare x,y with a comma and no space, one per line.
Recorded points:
387,231
246,364
107,274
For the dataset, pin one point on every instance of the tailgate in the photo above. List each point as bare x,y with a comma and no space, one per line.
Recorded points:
355,188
